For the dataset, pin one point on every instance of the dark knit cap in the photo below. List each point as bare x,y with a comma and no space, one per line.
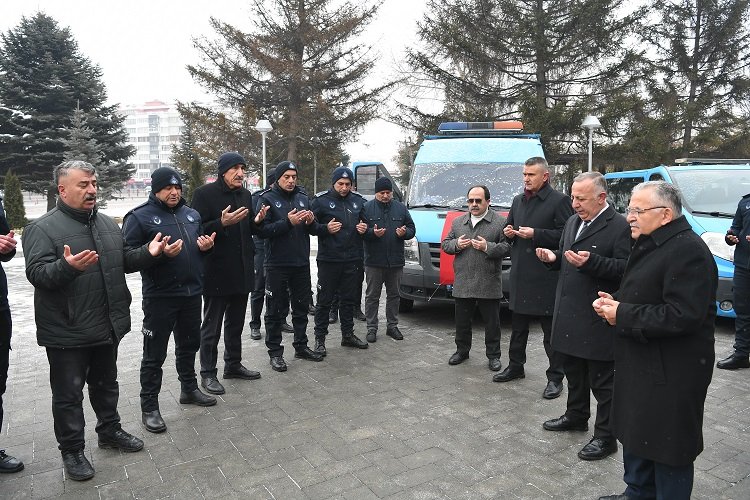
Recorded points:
163,177
228,160
283,167
383,184
342,173
270,177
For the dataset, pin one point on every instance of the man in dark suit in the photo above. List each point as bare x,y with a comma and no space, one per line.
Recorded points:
536,219
663,314
593,252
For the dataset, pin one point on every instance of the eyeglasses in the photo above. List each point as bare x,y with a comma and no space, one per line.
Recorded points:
472,201
639,211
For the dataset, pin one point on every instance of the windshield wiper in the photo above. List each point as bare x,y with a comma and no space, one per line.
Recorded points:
713,214
506,207
429,205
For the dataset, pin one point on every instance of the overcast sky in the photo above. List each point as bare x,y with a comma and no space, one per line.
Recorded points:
142,47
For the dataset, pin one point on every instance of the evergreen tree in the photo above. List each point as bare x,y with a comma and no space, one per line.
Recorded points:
15,211
195,178
43,78
299,68
548,62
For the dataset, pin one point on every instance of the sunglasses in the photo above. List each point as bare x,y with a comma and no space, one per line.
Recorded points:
472,201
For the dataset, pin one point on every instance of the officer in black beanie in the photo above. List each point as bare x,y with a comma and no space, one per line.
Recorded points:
227,208
338,254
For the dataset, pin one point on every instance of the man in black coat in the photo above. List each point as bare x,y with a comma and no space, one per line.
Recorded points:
7,251
593,252
172,291
226,209
739,234
536,220
663,317
287,228
338,255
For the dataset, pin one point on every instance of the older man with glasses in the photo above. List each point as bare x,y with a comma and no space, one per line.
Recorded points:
479,245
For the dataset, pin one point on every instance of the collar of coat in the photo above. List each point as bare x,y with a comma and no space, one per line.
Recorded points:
82,216
670,229
490,216
543,192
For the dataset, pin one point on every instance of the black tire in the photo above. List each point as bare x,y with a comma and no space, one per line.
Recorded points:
405,305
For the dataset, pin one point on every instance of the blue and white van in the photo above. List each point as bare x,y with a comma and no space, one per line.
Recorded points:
462,154
711,190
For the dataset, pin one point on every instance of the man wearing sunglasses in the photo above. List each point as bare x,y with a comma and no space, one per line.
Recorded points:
478,242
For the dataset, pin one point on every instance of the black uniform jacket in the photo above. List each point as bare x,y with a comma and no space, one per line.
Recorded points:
178,276
346,244
664,345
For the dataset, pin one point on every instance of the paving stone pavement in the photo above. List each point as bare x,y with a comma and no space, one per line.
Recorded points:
393,421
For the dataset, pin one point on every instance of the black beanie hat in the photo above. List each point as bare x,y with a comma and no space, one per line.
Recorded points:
270,177
283,167
383,184
342,173
163,177
228,160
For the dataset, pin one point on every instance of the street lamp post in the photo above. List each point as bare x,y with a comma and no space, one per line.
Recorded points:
264,127
591,123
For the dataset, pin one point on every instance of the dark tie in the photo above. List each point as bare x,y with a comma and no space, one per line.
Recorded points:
582,228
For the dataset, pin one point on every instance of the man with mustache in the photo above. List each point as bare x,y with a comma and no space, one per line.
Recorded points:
172,291
226,208
76,260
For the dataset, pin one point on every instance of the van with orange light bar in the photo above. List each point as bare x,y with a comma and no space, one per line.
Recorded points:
462,154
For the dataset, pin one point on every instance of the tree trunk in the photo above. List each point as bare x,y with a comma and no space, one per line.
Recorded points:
693,77
51,199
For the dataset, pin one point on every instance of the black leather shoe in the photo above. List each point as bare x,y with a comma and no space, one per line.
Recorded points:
510,373
359,315
308,354
153,422
212,385
9,464
553,390
598,448
734,362
242,373
565,424
196,398
353,341
394,333
494,364
255,334
615,497
287,328
372,336
120,440
333,316
458,358
278,364
320,346
77,466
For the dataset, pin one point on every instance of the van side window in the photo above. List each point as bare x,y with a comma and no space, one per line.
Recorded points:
366,176
620,189
656,177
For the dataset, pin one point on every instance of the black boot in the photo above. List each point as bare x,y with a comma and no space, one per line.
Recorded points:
353,341
320,346
77,467
735,361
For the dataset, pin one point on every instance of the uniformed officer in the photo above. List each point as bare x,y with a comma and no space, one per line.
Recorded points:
341,210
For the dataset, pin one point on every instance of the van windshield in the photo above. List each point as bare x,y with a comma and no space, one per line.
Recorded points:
712,190
446,184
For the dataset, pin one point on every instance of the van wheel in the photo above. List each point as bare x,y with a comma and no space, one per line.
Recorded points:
405,305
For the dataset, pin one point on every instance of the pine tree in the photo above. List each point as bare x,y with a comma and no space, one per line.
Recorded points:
43,78
548,62
298,67
15,212
195,178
